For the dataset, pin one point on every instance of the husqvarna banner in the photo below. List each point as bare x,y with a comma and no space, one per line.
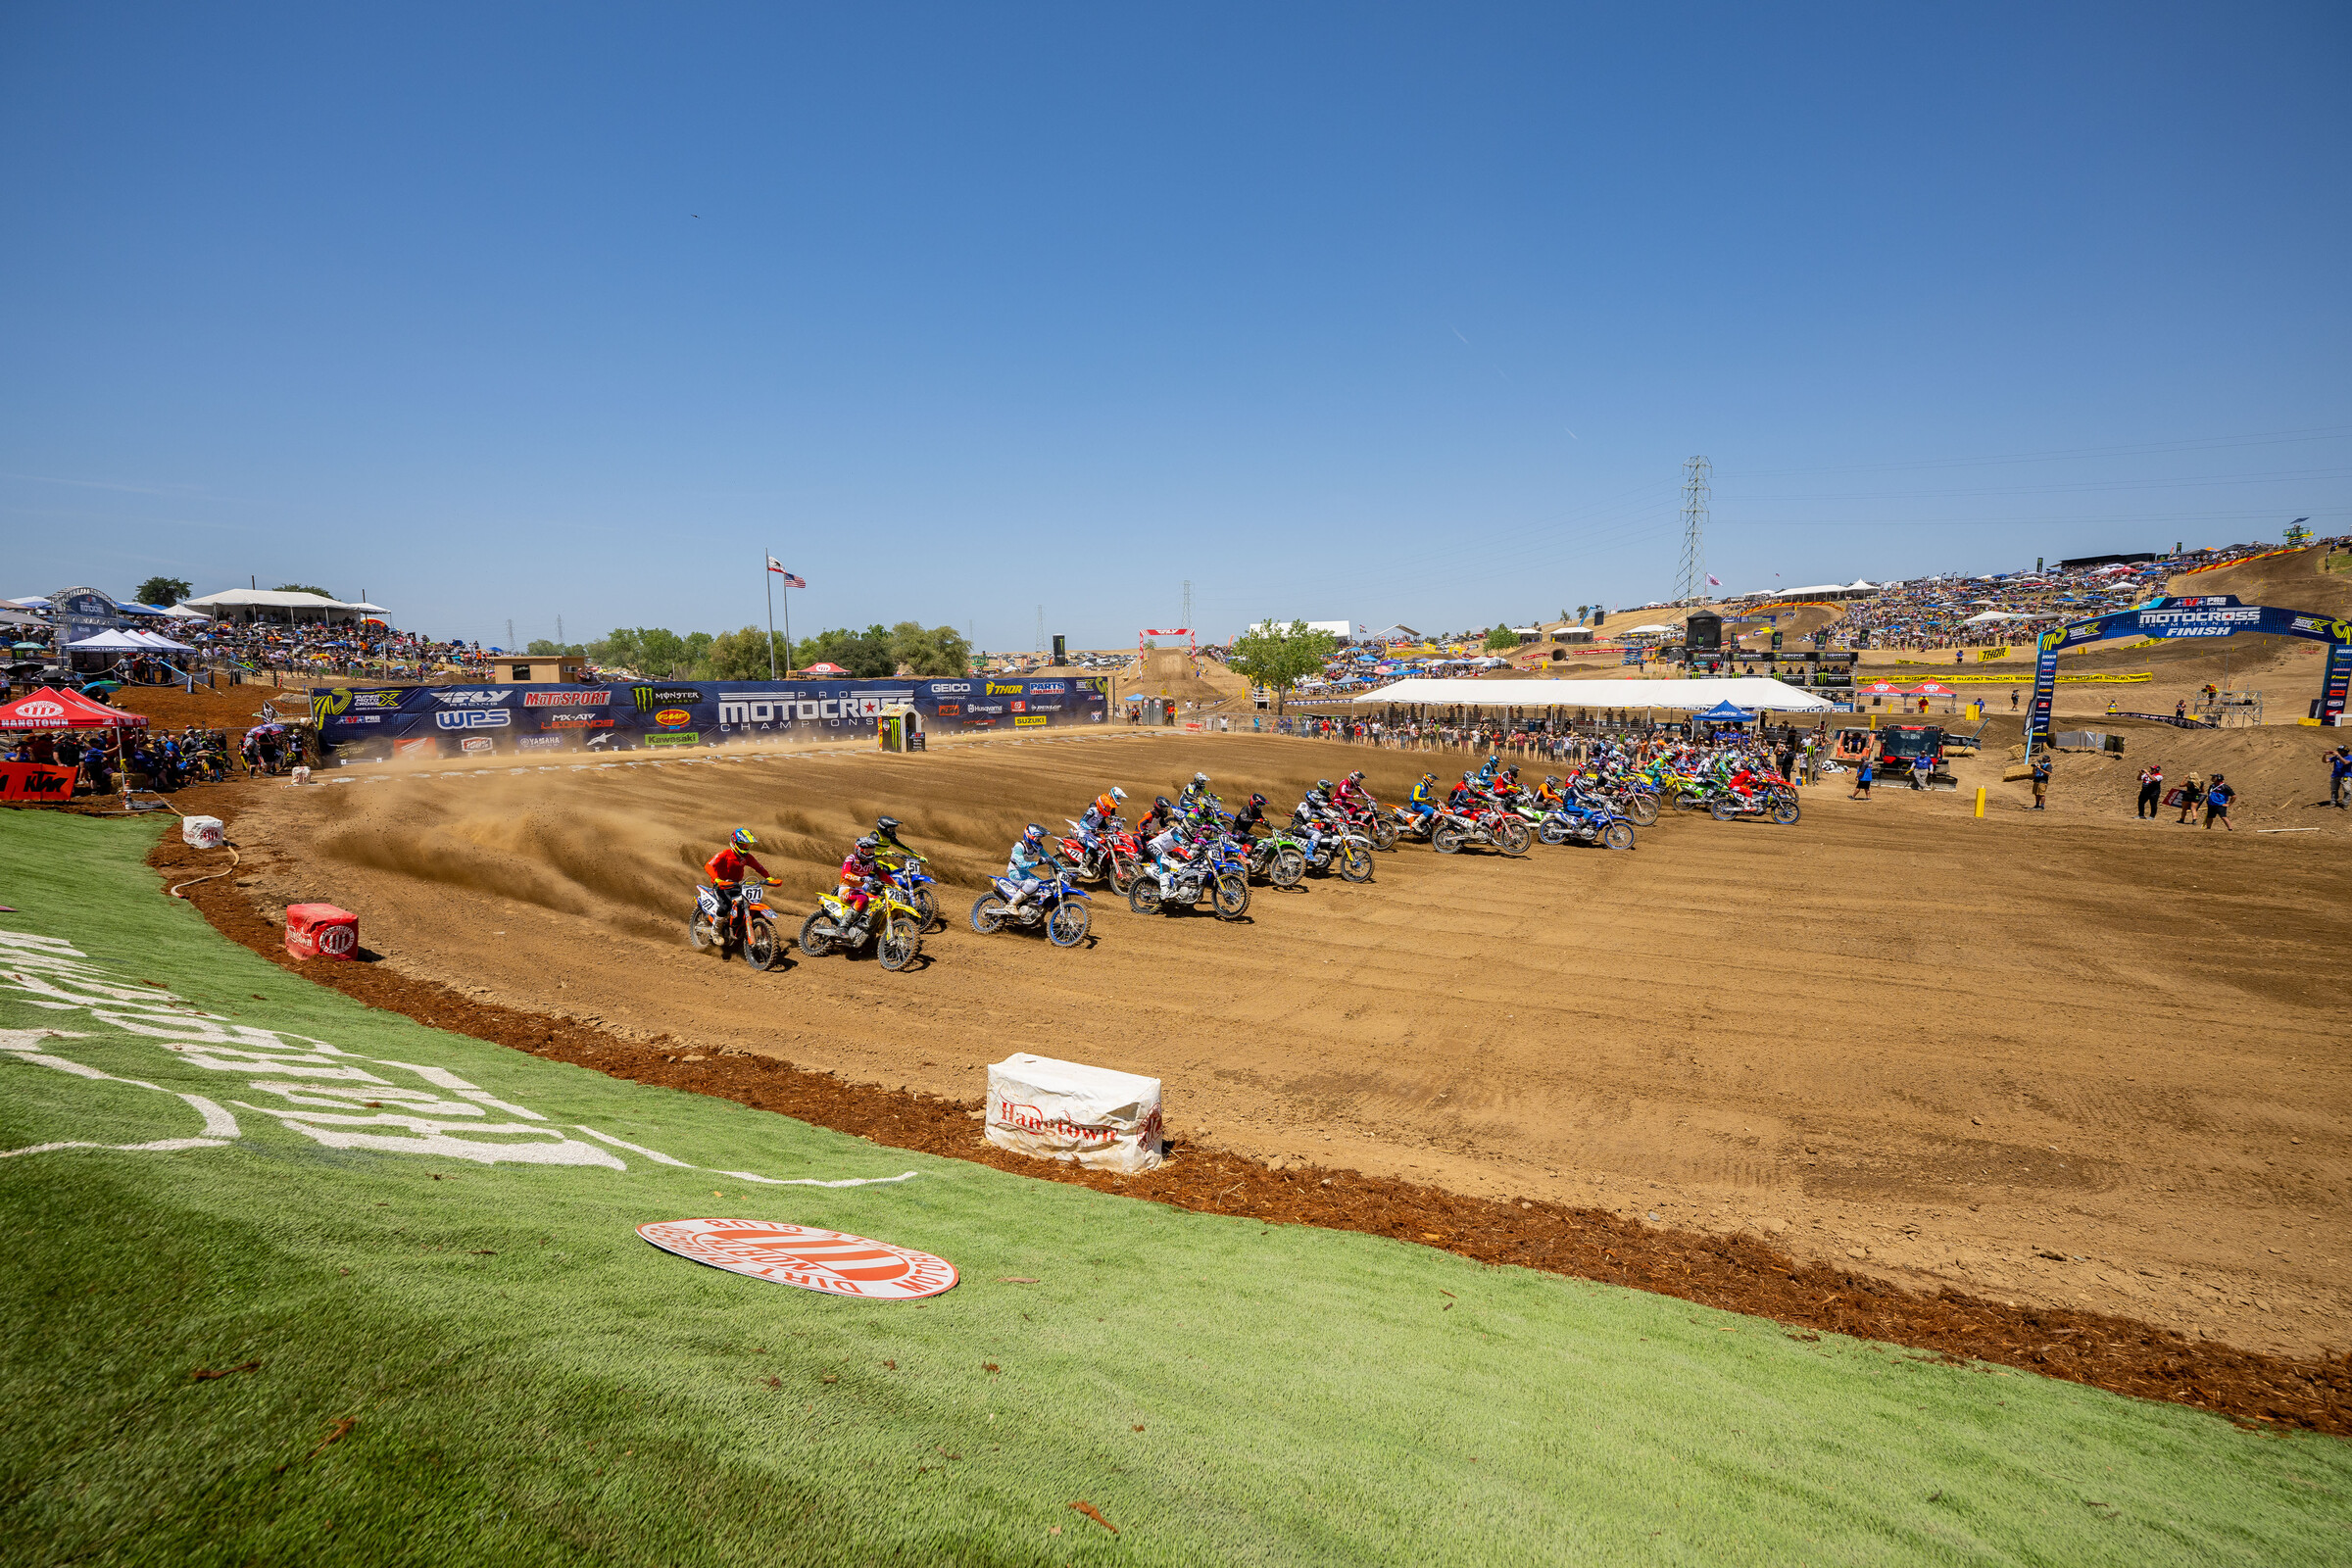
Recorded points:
627,715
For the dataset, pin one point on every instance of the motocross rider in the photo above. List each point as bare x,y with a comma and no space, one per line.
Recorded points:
1169,852
1195,796
1101,816
1351,796
1029,866
1425,799
726,870
1313,815
1251,816
858,873
1156,820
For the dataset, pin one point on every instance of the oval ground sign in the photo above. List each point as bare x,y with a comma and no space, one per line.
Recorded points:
832,1261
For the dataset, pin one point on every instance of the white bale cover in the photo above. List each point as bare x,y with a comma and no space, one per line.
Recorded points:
1093,1116
201,832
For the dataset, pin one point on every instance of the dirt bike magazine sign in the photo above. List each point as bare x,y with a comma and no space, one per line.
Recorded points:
830,1262
377,720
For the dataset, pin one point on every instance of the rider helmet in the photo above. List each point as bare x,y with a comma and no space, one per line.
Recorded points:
1161,803
1356,778
867,845
886,827
742,838
1200,778
1033,834
1257,799
1118,794
1552,780
1322,784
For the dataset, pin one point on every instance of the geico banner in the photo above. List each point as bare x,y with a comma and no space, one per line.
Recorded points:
668,713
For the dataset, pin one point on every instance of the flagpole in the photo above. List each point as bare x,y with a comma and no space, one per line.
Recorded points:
767,580
788,626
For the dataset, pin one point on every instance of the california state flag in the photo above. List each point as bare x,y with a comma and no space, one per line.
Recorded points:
790,581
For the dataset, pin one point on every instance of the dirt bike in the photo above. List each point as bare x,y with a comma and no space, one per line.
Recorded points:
1372,823
1278,858
833,926
1344,850
1774,801
1056,907
1586,820
1489,826
915,885
1114,862
1213,873
711,927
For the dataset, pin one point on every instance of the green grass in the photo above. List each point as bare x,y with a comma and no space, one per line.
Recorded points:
567,1394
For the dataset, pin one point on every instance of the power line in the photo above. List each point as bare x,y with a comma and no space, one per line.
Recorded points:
1690,577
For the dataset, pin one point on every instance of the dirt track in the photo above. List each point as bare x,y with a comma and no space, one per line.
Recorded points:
1893,1037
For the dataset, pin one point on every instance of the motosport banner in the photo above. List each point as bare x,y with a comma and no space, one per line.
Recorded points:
460,720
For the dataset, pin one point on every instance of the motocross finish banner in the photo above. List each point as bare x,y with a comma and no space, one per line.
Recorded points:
2197,616
465,720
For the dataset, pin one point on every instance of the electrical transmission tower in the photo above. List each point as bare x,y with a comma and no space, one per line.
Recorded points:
1041,628
1690,577
1188,605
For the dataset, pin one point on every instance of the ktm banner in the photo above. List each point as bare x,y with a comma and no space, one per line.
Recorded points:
36,781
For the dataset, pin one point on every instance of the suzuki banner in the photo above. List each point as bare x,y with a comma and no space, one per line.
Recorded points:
465,720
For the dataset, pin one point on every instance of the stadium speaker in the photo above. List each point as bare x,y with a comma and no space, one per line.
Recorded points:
1704,633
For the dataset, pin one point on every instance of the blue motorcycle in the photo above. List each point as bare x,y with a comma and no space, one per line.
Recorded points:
1058,906
1584,818
915,885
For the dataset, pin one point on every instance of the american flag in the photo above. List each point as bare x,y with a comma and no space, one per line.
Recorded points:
790,581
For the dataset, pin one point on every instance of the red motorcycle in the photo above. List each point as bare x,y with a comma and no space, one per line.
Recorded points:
1116,862
1364,816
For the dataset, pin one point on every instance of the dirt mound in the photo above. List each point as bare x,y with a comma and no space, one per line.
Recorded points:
1174,673
2126,1144
2291,582
230,707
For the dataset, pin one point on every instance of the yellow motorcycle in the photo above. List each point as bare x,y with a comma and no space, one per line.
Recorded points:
892,924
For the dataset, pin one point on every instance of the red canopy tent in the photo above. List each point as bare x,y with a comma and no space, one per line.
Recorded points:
51,708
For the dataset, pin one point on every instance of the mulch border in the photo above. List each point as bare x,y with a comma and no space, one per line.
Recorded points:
1734,1273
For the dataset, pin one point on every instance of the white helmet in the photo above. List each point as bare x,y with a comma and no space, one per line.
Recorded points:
1118,794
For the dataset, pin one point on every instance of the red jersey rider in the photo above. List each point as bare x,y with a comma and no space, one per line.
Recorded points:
727,870
856,872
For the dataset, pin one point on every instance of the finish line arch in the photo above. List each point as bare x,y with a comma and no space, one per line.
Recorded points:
2199,616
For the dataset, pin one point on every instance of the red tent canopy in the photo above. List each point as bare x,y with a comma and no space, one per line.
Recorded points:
51,708
826,669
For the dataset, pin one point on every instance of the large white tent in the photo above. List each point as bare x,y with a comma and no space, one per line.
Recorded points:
272,603
1747,691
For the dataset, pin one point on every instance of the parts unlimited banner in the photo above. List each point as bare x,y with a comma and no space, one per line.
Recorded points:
471,719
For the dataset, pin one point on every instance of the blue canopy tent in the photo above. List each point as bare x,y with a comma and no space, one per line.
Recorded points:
1725,713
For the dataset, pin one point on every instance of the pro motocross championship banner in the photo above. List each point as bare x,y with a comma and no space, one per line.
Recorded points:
465,720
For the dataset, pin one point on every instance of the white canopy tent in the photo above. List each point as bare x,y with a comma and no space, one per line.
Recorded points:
1747,691
157,642
110,641
246,604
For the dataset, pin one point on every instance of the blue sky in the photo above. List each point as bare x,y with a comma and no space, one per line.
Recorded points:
1388,313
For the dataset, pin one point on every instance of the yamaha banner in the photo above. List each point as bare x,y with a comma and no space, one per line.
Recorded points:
465,720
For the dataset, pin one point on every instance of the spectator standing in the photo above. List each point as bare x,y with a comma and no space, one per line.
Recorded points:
2013,698
2151,790
2339,776
1861,790
2192,794
1919,771
2217,804
2041,780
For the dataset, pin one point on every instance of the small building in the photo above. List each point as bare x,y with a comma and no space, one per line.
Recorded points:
539,669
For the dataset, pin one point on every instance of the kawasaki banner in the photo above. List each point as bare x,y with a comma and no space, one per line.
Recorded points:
2206,616
465,720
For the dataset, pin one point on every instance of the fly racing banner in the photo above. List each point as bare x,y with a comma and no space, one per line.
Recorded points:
465,720
2202,615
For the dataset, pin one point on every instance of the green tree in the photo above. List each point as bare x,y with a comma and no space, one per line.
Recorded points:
1502,637
938,651
162,592
864,654
697,655
650,651
302,588
543,647
1278,657
744,655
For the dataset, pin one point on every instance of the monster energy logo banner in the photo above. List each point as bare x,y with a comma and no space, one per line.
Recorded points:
649,698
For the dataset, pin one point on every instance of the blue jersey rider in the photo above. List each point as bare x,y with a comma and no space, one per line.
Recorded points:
1030,866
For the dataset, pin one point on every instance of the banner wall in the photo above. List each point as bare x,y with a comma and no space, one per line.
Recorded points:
471,720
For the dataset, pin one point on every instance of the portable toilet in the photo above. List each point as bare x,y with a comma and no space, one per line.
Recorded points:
901,728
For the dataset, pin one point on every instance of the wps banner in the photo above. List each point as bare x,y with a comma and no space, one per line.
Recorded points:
36,781
465,721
